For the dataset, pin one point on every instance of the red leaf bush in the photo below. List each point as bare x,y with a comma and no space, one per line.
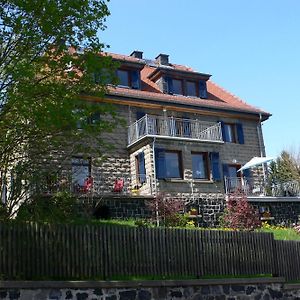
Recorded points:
240,214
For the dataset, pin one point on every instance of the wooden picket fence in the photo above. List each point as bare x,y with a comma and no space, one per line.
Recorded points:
35,251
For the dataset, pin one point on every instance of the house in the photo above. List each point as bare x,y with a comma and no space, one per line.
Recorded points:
184,136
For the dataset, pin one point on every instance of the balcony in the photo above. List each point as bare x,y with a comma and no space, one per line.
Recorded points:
174,128
255,188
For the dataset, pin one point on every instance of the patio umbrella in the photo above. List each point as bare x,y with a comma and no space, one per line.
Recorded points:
255,161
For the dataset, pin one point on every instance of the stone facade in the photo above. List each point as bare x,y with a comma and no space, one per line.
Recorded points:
121,163
230,289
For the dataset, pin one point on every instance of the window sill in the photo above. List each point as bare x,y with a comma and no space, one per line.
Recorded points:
175,180
178,180
202,181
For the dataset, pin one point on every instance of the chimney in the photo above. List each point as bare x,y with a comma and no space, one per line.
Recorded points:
137,54
162,59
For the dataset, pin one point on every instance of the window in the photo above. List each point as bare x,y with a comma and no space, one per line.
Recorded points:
191,89
129,78
177,87
124,78
232,132
200,165
168,164
140,168
81,171
173,164
94,118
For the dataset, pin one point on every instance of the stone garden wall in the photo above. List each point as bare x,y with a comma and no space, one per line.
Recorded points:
218,289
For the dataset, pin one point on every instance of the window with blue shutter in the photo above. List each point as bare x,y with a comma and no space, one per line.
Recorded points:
240,133
202,89
141,170
232,133
215,165
160,163
135,80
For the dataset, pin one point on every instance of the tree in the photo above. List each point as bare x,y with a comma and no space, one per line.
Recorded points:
49,59
284,175
285,168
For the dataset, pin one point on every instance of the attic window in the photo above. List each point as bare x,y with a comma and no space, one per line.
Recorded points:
177,87
129,78
124,78
191,89
186,87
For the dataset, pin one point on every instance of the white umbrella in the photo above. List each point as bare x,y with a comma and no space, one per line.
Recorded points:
255,161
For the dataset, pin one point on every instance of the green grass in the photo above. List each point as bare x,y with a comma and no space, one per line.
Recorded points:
287,234
279,233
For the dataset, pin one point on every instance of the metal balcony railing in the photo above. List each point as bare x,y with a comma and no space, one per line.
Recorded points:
170,127
253,188
133,185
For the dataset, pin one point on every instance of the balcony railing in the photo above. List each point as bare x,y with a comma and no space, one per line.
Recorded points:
254,188
170,127
136,185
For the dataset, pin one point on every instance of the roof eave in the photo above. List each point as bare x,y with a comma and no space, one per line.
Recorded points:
263,116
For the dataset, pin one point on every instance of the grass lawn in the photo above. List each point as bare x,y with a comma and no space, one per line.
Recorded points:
282,233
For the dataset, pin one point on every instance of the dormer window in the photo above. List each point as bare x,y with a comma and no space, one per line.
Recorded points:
177,87
191,89
129,78
186,87
124,78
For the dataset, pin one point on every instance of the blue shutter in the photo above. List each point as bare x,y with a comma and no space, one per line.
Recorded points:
225,137
142,169
215,165
225,170
202,89
160,163
170,85
135,80
247,173
139,114
240,133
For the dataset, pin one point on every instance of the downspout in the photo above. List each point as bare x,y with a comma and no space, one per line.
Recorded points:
155,182
259,133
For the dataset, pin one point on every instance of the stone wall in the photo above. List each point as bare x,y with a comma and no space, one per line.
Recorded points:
117,207
209,207
218,289
284,211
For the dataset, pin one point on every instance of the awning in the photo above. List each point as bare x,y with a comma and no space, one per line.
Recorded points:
255,161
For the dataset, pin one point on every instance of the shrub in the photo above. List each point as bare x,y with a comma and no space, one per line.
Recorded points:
59,208
167,211
240,214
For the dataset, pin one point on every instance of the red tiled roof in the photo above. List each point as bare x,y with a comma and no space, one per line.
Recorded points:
217,98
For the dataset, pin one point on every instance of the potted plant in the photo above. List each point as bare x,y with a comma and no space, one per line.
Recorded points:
193,212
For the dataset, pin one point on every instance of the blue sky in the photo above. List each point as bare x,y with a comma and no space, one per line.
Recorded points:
251,48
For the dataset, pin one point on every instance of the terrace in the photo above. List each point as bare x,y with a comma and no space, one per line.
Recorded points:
254,188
